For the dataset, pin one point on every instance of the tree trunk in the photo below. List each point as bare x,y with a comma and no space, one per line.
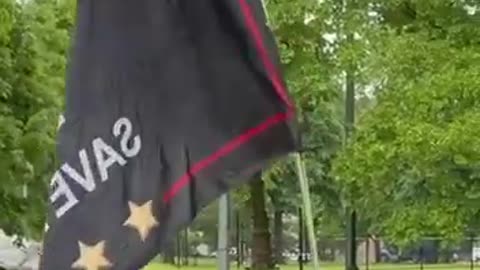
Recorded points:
261,249
278,236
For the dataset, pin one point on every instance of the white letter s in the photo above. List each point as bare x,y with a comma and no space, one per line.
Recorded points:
117,131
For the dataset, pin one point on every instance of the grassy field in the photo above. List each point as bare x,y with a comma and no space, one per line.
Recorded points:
331,267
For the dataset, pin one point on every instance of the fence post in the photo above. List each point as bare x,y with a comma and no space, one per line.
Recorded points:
179,251
238,239
300,239
367,253
421,257
472,245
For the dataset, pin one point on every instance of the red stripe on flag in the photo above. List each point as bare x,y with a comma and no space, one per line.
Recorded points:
272,72
222,152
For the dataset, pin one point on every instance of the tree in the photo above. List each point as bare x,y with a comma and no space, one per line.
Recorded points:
262,258
33,45
309,67
412,169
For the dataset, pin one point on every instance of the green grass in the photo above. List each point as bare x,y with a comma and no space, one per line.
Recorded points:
156,266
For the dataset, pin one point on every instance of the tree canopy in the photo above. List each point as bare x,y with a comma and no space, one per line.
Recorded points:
412,168
34,38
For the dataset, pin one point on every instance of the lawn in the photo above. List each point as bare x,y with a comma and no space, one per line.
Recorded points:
330,267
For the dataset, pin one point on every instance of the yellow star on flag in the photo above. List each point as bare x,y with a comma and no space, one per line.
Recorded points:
141,218
92,257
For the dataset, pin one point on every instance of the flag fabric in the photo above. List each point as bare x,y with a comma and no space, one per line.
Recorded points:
169,104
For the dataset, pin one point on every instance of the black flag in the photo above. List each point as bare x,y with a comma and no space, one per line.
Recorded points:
169,104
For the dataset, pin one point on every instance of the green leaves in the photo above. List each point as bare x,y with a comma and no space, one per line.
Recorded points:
413,165
32,57
311,74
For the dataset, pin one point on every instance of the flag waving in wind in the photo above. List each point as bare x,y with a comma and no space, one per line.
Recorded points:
169,104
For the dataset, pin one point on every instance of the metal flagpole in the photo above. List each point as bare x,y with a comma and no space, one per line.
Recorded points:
223,217
223,262
307,205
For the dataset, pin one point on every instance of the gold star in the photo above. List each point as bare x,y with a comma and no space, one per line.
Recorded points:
141,218
91,257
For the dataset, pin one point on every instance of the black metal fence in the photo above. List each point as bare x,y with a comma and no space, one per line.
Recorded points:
374,253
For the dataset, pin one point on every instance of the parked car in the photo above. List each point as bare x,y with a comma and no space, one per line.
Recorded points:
388,255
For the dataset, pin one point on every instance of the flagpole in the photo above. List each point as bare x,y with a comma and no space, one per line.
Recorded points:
307,205
223,262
